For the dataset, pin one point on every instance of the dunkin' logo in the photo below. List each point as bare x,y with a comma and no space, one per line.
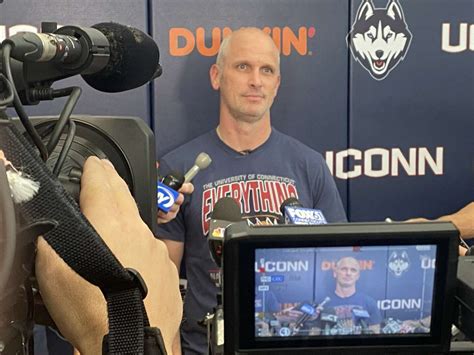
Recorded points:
183,41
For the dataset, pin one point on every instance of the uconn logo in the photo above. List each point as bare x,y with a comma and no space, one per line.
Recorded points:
380,162
458,38
380,38
281,266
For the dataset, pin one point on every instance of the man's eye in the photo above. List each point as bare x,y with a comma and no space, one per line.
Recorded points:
268,70
242,66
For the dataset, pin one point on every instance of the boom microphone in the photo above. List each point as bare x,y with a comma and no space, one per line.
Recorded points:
134,59
110,57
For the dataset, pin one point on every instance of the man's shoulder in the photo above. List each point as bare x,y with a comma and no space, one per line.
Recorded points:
190,149
365,297
294,146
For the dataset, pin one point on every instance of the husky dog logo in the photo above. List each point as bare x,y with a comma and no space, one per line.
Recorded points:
379,38
398,263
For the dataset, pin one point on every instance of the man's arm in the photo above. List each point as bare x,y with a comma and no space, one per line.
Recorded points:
175,251
462,219
78,307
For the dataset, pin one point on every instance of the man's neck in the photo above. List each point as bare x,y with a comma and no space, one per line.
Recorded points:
344,292
244,136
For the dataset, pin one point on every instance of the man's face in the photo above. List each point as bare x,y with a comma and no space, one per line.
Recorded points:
347,272
249,76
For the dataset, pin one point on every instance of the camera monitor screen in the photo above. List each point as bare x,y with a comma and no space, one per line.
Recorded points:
364,286
344,290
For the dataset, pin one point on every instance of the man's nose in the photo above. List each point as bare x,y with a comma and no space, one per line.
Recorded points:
255,78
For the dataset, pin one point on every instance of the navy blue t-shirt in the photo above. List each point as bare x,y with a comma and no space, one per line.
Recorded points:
260,181
352,312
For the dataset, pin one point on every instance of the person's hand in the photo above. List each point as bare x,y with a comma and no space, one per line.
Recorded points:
463,220
288,315
186,189
78,307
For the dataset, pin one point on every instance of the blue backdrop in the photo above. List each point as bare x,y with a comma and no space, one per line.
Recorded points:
400,146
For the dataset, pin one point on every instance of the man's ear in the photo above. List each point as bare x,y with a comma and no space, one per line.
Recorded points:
278,85
214,75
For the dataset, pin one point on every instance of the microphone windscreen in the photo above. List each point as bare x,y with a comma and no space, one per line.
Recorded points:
227,209
134,59
203,160
174,180
290,202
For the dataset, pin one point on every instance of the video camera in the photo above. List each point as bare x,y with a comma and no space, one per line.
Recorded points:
52,150
404,279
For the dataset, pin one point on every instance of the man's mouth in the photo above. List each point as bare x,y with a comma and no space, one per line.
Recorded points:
254,98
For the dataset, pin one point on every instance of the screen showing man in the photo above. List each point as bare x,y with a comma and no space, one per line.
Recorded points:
338,291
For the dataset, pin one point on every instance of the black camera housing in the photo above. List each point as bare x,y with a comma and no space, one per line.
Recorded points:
126,141
241,243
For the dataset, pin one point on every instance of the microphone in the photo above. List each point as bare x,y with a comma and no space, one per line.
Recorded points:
329,316
45,47
294,213
329,321
360,313
310,311
391,326
226,211
202,162
167,188
361,316
110,57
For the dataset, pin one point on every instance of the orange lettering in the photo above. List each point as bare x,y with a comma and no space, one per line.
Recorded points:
300,43
201,41
366,264
177,33
183,41
326,265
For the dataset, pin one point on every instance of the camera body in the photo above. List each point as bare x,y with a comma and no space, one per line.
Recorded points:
127,142
105,137
295,273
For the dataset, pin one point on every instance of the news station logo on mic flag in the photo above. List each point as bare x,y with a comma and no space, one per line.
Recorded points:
301,215
166,197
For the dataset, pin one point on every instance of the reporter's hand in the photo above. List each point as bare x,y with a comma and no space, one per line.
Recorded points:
463,220
78,307
187,189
